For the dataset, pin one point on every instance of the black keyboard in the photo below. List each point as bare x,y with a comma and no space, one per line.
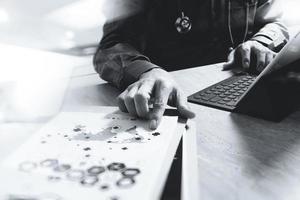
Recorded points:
225,94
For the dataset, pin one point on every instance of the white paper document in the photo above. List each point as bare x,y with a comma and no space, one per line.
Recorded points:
88,155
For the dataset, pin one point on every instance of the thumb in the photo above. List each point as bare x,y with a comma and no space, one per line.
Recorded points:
230,61
182,106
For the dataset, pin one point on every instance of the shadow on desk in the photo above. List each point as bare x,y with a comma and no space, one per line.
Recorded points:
271,149
92,95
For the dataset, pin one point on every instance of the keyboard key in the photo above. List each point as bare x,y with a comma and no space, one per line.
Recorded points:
227,99
197,96
231,103
236,99
221,102
215,99
205,98
208,97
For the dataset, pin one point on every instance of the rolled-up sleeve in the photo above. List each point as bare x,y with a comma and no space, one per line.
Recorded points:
271,31
118,59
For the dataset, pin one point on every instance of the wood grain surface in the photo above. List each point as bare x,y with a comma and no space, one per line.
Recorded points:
239,157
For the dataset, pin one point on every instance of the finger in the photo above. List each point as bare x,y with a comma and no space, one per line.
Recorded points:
245,52
230,61
269,58
121,101
142,97
131,86
182,106
260,59
129,100
162,93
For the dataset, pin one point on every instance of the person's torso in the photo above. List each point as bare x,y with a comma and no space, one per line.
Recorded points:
207,41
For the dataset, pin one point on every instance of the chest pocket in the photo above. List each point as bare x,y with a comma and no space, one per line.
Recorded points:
242,16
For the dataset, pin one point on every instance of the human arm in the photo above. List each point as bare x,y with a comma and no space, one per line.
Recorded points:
120,61
270,36
119,58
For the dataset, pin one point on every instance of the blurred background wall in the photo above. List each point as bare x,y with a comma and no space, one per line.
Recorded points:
61,25
51,24
291,14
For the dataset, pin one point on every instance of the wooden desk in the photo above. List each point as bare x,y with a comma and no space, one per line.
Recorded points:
239,157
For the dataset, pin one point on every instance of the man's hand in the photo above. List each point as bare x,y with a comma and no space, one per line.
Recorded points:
157,88
243,54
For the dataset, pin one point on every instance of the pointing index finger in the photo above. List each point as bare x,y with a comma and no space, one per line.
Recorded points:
162,93
142,98
245,54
